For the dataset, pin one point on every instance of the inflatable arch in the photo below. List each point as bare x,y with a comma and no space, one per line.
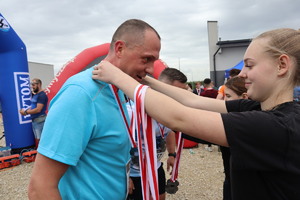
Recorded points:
15,90
84,60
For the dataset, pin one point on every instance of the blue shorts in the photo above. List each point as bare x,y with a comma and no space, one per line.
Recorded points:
37,127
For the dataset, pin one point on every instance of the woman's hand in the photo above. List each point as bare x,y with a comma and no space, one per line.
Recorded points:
106,72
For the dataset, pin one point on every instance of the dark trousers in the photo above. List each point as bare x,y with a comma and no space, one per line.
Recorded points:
226,163
137,192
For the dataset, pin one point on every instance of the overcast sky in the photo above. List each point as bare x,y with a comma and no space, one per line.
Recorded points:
54,31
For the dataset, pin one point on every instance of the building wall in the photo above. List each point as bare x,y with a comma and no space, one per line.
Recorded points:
45,72
228,58
222,57
212,29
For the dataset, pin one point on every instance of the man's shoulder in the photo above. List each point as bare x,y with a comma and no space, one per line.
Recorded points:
42,93
84,80
42,96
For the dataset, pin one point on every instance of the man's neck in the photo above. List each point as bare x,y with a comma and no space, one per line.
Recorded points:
113,60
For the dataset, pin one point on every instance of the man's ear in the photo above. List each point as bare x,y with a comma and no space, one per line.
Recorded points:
119,48
284,64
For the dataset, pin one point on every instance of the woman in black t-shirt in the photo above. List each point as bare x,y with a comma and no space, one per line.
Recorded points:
263,134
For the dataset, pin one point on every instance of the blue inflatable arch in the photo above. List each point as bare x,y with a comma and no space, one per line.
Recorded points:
15,90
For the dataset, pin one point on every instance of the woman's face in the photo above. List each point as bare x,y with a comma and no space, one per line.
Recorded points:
260,71
231,95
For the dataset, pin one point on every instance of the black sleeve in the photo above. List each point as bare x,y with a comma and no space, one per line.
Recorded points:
242,105
191,138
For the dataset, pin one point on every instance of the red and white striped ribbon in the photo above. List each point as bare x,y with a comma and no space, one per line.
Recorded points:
148,156
175,170
162,130
142,125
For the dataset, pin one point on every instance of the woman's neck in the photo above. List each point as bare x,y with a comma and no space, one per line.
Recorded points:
276,100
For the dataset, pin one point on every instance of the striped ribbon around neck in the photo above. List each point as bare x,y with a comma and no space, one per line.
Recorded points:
148,155
142,125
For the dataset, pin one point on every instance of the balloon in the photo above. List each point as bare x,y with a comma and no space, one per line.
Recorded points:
159,66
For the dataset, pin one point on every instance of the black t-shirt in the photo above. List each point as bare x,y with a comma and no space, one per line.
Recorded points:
265,150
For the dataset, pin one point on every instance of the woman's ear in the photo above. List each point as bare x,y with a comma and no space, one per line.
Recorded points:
284,64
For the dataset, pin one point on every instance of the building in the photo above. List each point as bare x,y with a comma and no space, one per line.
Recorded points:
45,72
223,54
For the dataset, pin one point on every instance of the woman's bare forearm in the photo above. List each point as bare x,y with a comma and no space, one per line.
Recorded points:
186,97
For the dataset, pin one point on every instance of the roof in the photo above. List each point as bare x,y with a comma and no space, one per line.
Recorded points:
234,43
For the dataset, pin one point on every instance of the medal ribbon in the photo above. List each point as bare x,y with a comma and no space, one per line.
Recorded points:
114,90
162,130
174,175
148,156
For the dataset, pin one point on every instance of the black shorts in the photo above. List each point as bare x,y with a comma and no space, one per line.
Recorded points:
137,192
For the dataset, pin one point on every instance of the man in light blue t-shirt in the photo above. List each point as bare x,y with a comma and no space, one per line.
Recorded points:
84,149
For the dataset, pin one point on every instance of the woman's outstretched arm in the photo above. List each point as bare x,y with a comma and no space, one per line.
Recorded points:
185,97
198,123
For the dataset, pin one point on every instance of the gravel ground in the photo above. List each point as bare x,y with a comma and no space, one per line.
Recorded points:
200,176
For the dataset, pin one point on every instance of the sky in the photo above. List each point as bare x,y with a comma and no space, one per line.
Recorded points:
55,31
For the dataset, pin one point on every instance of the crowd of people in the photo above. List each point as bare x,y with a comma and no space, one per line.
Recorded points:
85,151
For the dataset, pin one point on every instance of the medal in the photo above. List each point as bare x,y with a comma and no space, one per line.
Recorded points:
172,183
172,187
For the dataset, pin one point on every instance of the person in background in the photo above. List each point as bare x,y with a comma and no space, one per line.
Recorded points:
84,149
234,89
232,73
209,91
198,89
165,140
262,133
37,109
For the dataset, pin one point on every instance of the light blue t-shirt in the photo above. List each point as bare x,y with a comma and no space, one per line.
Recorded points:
85,130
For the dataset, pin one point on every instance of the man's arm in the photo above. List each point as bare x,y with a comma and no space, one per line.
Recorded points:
45,178
36,110
171,146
